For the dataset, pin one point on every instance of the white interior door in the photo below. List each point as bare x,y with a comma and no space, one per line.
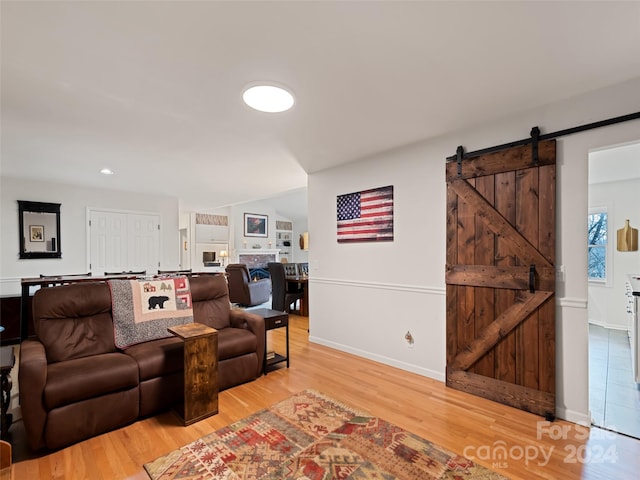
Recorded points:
122,242
108,233
143,242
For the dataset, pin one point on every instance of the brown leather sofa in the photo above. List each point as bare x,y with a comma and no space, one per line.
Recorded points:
75,384
245,291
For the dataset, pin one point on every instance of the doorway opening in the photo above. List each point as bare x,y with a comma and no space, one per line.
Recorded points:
614,395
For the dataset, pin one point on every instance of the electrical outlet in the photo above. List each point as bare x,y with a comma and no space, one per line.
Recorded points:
409,338
560,273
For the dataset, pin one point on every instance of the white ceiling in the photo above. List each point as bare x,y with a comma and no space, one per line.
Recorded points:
615,164
153,89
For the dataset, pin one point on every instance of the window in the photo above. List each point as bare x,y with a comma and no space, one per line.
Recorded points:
598,246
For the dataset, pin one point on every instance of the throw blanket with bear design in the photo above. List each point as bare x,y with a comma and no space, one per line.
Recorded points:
143,309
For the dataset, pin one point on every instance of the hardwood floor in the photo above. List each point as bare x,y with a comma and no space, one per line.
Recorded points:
468,425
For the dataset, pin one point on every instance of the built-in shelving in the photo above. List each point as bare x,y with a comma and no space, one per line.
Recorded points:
284,239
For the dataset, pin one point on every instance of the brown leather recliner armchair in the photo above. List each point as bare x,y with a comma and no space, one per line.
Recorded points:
245,291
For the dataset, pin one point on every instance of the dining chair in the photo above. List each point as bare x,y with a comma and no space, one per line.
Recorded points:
175,272
290,269
66,275
130,272
56,280
281,298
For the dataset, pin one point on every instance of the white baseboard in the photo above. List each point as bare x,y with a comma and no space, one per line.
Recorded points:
572,416
425,372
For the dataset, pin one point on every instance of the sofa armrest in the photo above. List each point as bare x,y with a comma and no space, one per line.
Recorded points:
32,378
255,324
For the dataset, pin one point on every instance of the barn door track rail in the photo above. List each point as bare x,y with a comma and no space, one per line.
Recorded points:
536,137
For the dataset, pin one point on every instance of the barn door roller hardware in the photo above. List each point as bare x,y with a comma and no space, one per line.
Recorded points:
536,138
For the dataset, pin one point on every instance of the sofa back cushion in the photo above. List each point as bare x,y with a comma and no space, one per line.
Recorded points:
74,321
210,297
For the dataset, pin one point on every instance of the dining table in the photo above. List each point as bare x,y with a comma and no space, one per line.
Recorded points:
301,282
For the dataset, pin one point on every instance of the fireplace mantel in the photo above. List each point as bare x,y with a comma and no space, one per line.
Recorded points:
257,257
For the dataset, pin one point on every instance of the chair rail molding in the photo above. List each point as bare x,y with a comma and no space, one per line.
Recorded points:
566,302
380,285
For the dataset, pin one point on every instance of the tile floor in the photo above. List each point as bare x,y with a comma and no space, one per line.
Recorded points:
614,397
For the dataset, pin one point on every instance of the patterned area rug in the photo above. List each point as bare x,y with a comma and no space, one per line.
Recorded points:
313,437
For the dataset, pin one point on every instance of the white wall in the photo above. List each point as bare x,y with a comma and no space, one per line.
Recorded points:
299,255
236,227
365,297
73,223
608,303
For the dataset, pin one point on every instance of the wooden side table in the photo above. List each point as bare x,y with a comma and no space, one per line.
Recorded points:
7,360
273,319
200,398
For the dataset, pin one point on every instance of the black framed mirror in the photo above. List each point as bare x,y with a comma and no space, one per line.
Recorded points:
39,229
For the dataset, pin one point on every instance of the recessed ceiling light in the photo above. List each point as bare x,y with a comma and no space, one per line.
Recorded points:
106,171
268,98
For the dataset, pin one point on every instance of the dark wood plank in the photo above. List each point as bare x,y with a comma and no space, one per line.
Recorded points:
505,204
466,255
527,218
452,226
524,398
452,257
517,244
517,158
452,321
499,277
547,246
507,321
484,255
547,212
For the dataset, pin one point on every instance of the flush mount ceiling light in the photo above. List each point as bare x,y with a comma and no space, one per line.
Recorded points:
107,171
268,98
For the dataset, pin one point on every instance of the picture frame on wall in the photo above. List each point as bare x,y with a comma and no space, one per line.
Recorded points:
256,225
36,233
365,216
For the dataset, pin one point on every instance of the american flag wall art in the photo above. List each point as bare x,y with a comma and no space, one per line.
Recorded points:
366,216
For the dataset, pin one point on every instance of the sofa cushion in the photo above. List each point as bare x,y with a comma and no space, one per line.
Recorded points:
157,358
233,342
74,321
88,377
210,296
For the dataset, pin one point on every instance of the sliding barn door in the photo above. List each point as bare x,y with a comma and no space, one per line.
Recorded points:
500,277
